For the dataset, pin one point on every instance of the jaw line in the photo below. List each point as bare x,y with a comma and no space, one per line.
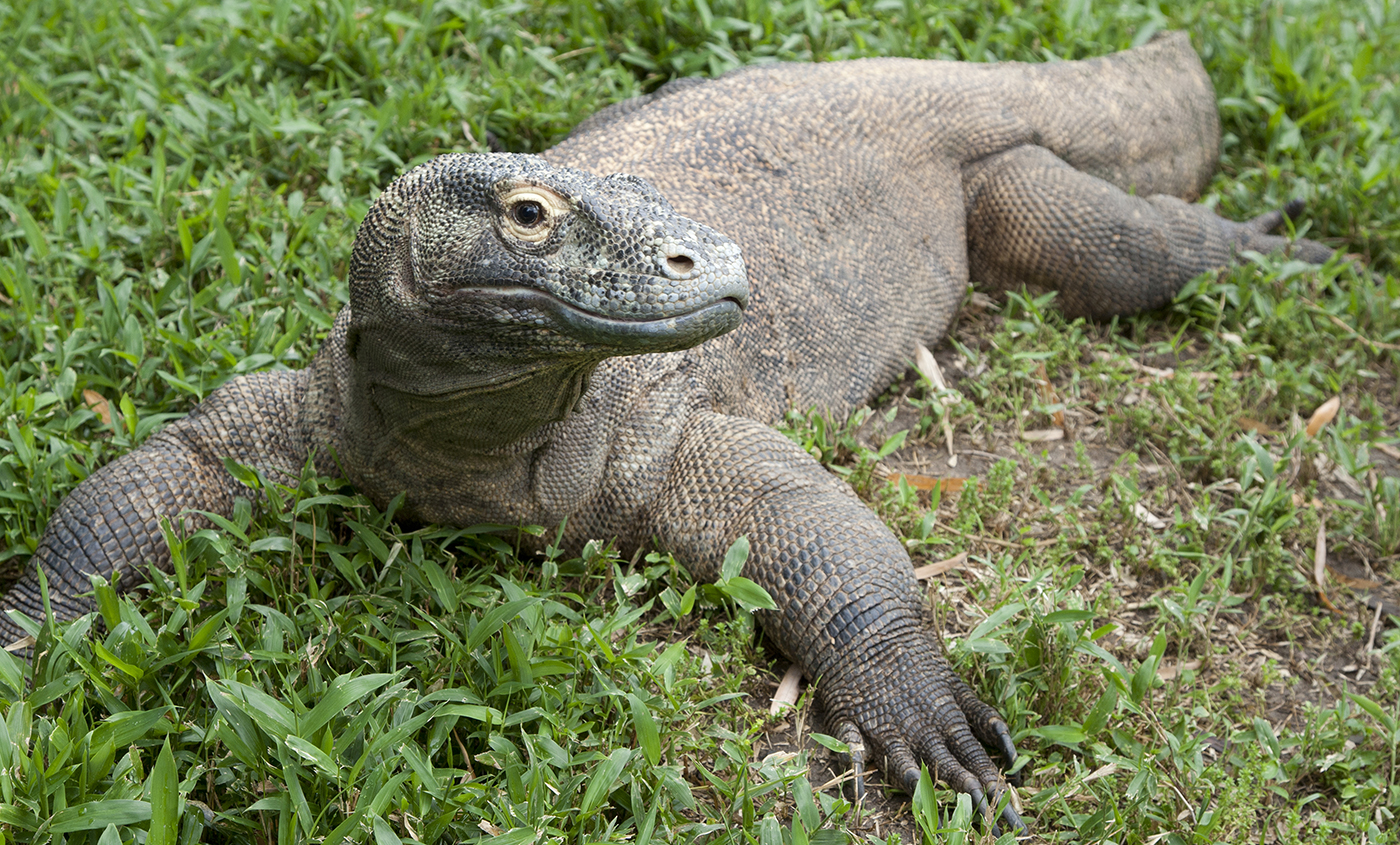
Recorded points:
678,331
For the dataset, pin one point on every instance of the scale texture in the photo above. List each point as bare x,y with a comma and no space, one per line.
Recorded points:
530,340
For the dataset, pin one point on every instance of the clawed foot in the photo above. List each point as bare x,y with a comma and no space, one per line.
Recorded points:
929,717
1256,234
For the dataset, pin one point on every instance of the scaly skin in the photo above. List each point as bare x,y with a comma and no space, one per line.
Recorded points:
523,339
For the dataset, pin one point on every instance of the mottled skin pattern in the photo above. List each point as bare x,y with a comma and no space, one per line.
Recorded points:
522,343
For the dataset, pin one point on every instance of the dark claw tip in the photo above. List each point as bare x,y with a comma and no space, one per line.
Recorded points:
1294,208
1013,820
979,800
1008,748
909,781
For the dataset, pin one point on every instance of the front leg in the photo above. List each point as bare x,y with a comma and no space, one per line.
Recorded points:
849,608
111,523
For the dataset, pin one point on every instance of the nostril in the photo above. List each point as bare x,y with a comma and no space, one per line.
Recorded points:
680,263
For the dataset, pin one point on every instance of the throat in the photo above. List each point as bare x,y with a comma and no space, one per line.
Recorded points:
503,417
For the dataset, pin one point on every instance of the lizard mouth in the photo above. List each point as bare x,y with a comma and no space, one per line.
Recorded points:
628,335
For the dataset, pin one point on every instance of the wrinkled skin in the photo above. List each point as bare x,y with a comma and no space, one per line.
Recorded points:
530,343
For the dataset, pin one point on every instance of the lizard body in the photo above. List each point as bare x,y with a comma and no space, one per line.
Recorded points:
531,341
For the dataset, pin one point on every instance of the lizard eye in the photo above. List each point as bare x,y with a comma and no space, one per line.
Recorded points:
527,214
531,213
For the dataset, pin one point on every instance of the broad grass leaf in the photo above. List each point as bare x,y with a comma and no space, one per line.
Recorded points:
648,737
125,728
343,691
1059,616
602,780
163,789
298,126
11,673
262,709
1066,734
495,618
311,753
831,742
134,672
442,586
389,792
991,623
94,815
1098,718
514,836
748,594
1385,719
735,558
383,834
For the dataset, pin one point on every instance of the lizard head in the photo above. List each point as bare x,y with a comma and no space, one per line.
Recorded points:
489,287
543,259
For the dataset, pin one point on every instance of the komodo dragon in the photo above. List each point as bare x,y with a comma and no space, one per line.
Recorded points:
530,343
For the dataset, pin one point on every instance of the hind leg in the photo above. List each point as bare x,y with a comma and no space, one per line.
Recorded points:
1033,219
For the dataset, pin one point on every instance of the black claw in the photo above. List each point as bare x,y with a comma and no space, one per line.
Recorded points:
855,742
909,781
979,801
1294,209
1008,748
1013,820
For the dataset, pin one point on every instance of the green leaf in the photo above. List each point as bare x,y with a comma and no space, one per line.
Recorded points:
342,692
832,743
262,709
925,807
134,672
122,729
32,232
163,788
1066,734
186,237
893,444
129,417
1387,721
1098,718
298,126
991,623
514,836
602,780
495,618
735,558
312,754
228,258
396,18
94,815
648,737
1068,616
383,834
748,595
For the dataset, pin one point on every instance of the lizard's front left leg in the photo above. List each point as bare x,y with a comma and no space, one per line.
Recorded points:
849,609
111,523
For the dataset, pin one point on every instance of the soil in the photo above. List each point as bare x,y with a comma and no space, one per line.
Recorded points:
1282,672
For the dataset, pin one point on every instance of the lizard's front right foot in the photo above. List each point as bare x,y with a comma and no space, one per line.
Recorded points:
915,710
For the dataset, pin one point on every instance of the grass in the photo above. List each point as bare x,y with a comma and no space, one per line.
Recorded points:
179,185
